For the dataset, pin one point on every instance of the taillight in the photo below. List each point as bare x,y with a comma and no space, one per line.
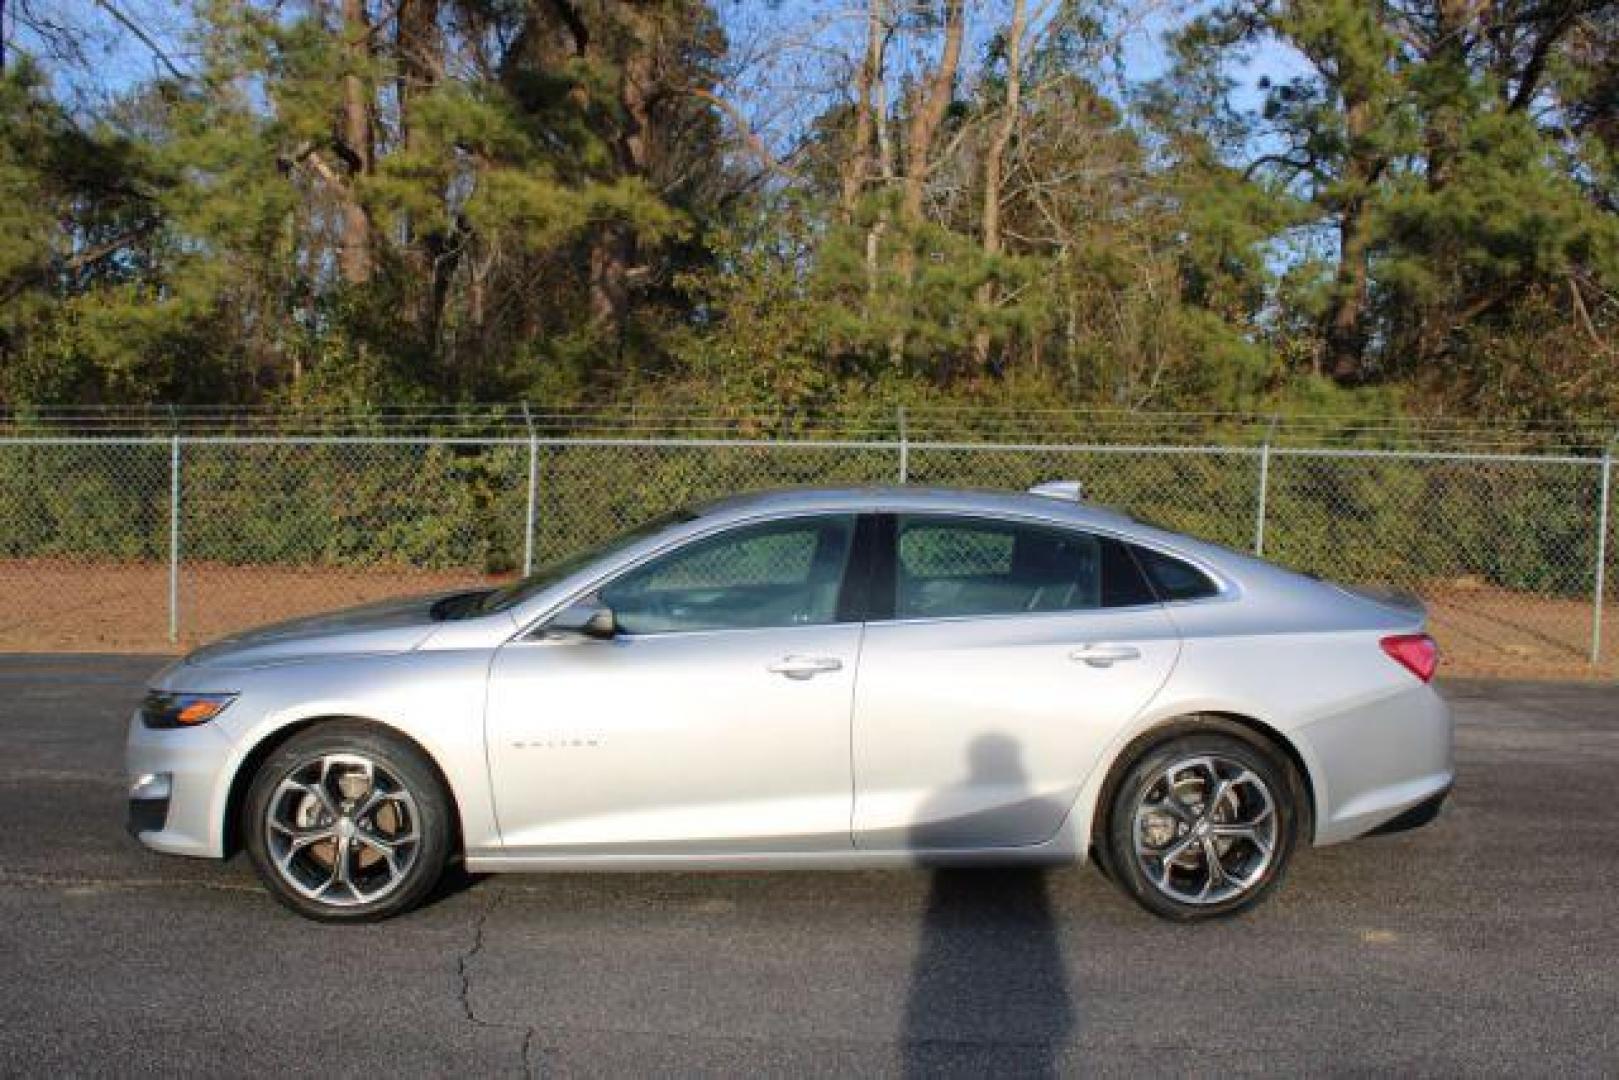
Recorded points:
1417,652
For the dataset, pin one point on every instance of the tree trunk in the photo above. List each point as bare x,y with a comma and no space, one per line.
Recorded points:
857,166
614,249
926,117
1345,332
356,144
994,162
929,113
1448,55
878,114
885,169
1346,337
420,50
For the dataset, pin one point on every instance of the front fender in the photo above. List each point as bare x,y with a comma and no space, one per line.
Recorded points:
433,698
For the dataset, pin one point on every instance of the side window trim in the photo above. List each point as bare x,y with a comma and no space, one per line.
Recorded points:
860,595
881,584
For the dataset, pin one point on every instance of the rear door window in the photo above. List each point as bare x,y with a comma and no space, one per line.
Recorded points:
950,567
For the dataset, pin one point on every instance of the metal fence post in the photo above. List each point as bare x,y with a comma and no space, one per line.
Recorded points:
1599,593
1264,489
174,538
904,449
533,490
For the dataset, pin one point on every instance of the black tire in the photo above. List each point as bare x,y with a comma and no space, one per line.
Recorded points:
1144,780
431,814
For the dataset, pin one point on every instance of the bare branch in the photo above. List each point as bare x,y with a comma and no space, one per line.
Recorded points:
750,139
145,39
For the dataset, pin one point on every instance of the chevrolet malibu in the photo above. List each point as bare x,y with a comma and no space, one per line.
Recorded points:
812,679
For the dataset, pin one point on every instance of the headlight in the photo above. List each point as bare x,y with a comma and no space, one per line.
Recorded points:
161,710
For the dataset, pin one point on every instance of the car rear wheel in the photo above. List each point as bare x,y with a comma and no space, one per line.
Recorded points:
347,823
1203,825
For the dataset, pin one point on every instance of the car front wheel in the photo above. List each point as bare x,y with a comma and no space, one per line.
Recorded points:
1203,825
347,823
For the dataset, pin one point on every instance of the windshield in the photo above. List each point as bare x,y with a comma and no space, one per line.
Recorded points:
551,573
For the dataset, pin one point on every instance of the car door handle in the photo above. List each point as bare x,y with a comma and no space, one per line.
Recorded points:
1104,655
805,667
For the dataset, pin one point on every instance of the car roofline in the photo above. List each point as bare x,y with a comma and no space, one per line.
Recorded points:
1235,571
900,499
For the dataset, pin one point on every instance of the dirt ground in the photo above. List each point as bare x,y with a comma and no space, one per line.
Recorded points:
65,606
1487,631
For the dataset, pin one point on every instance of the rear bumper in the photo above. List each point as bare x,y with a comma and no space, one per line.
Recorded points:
1378,761
1415,818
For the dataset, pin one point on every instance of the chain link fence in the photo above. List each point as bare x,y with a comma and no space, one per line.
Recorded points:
112,542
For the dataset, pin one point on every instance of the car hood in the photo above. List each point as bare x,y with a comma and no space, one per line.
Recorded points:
385,627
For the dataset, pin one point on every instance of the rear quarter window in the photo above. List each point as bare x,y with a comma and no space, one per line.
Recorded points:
1173,579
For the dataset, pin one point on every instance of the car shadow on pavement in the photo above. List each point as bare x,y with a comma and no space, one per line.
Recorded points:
456,880
989,992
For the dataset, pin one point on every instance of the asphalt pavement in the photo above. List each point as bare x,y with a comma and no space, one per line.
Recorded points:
1487,943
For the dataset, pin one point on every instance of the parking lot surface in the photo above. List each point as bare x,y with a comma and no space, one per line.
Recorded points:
1483,944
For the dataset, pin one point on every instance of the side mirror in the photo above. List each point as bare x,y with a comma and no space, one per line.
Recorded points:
592,620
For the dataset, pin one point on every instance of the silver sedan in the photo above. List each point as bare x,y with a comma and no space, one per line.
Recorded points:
812,679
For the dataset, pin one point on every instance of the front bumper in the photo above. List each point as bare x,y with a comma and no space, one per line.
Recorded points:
147,816
190,819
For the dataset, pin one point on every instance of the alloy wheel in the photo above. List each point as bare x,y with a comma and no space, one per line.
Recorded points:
1205,830
342,829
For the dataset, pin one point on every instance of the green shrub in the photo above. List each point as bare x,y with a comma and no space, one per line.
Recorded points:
1519,525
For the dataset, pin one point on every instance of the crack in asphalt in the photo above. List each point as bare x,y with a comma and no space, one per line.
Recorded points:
463,970
64,883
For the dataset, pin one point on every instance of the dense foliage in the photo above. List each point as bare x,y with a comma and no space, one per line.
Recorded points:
774,208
